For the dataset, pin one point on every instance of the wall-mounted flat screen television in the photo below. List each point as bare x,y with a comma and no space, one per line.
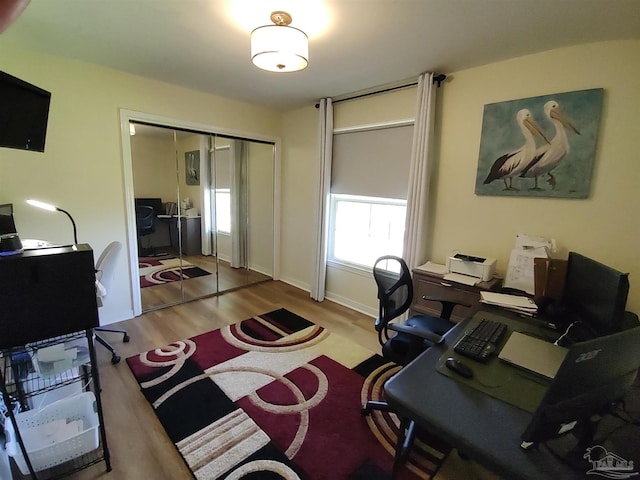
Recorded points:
24,113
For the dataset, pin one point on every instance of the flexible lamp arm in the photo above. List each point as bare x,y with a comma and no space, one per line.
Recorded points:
75,231
52,208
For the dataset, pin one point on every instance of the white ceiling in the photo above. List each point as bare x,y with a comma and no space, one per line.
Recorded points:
353,44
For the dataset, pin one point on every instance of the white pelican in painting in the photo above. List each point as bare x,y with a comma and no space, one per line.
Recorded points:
549,156
512,163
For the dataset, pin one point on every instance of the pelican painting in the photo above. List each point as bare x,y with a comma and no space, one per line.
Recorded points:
548,151
549,156
192,167
511,164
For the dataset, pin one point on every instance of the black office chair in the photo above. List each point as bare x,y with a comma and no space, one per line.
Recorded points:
104,271
145,224
412,337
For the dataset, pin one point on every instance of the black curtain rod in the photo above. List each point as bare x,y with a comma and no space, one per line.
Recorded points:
441,77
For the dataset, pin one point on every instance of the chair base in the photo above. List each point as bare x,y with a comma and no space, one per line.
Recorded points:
115,358
406,434
372,405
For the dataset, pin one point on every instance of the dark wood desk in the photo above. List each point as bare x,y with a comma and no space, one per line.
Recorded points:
481,427
427,284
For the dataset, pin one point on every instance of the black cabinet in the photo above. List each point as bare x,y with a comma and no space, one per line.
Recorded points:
48,309
45,293
189,231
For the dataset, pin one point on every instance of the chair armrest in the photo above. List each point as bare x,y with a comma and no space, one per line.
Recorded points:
416,332
447,305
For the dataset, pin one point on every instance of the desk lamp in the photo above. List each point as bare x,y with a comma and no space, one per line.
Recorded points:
51,208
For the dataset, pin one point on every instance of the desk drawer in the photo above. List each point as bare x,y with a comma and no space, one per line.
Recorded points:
447,291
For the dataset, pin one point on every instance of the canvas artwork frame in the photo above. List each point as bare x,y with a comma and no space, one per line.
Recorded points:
192,167
540,146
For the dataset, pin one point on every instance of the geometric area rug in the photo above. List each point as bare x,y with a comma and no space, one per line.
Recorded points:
277,397
157,271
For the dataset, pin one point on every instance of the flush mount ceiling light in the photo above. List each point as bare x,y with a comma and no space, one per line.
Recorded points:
279,47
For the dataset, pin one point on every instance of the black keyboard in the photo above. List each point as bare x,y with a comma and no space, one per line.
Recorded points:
479,343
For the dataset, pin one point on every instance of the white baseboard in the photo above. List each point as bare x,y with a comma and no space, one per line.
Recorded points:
345,302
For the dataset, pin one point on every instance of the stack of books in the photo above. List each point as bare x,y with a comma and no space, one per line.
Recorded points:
514,303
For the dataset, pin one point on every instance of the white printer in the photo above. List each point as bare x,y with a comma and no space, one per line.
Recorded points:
479,267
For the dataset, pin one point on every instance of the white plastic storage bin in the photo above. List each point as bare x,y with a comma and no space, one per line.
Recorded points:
47,434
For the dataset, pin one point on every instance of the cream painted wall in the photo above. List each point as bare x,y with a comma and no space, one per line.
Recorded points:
386,107
261,205
82,168
298,197
604,226
154,167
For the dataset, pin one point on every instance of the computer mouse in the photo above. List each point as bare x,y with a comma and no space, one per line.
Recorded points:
457,366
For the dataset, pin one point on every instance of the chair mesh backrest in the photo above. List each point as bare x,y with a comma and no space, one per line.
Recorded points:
395,287
144,218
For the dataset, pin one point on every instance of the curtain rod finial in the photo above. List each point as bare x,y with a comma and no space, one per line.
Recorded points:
439,78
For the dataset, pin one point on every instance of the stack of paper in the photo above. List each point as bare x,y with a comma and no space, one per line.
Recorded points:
432,267
460,278
520,271
514,303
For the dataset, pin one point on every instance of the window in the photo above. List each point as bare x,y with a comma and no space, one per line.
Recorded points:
364,228
369,179
223,210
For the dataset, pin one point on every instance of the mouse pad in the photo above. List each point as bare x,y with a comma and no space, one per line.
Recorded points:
495,377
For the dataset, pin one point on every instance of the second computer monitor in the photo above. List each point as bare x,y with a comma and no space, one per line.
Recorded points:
595,293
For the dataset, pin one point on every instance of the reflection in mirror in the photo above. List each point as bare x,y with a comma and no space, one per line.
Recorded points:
213,229
242,199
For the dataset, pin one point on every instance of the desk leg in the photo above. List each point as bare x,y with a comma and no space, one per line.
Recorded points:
404,443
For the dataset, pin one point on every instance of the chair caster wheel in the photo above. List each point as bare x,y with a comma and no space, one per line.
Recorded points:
115,359
126,338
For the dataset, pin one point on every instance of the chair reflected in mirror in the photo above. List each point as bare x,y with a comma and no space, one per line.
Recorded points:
145,225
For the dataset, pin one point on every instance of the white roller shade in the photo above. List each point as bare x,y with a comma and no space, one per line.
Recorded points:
373,163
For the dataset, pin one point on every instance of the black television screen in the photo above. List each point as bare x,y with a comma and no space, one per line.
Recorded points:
595,293
24,113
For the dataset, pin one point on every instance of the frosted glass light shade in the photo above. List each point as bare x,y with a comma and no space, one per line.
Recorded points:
279,48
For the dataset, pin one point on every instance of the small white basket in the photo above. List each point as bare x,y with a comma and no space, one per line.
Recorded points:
80,407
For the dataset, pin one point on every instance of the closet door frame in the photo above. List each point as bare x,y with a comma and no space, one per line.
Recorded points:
127,116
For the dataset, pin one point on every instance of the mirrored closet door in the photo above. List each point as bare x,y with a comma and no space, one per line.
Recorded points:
204,213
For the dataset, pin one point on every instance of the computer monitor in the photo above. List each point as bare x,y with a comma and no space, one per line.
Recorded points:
595,293
594,375
155,203
7,224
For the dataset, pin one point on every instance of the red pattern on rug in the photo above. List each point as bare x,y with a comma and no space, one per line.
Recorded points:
300,387
161,270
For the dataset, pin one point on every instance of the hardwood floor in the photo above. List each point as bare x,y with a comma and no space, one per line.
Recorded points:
175,292
139,446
